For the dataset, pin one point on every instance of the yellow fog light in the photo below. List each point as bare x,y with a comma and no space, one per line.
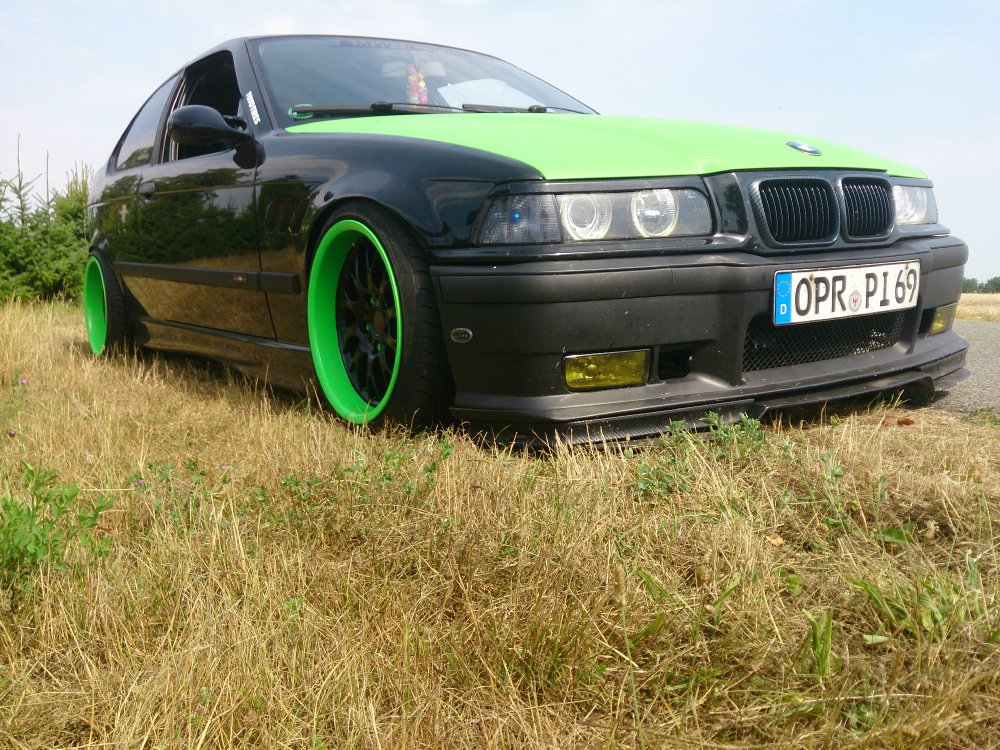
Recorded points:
589,372
944,316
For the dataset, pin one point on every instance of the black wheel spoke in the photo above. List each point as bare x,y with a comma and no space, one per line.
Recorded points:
385,369
370,258
370,385
354,292
352,362
366,321
360,270
349,306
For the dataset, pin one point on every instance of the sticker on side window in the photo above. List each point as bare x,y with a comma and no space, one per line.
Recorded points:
254,114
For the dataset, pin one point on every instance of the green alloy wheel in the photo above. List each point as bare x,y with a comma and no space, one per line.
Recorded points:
103,306
373,329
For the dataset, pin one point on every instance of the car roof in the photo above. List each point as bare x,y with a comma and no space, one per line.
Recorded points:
240,42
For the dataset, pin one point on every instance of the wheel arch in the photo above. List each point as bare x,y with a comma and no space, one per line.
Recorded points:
320,219
101,246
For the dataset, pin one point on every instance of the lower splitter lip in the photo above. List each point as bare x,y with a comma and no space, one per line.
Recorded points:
916,384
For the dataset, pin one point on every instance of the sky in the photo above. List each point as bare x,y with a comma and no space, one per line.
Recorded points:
910,80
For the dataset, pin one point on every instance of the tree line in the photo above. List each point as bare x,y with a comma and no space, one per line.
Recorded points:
972,286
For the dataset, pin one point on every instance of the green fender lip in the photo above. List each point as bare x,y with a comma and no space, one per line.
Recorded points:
581,147
95,306
321,311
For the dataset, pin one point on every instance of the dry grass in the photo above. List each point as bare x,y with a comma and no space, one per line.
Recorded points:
979,307
273,578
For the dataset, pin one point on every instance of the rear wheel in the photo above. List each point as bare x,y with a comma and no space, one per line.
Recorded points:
373,321
104,307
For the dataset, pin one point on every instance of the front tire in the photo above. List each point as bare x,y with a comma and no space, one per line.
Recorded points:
374,330
104,308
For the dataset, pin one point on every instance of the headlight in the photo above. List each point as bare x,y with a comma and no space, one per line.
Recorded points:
521,219
914,205
587,217
654,212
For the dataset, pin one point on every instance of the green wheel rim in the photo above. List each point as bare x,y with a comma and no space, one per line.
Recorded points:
355,321
95,305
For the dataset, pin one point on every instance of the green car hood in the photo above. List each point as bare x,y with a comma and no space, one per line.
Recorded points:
577,147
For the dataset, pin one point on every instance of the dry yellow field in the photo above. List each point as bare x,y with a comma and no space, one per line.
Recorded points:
237,569
979,307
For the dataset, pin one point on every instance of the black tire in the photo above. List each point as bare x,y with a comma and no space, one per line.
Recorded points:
104,307
374,328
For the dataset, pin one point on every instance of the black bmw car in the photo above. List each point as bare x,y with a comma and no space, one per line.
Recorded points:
431,234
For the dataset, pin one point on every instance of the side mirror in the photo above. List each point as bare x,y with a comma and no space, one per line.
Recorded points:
198,125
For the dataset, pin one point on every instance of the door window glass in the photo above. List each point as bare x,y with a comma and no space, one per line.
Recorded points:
137,146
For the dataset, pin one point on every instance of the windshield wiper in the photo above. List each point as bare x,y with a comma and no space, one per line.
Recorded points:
305,111
550,107
534,108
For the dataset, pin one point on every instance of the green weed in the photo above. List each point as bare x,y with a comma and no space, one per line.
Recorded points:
36,530
818,646
929,609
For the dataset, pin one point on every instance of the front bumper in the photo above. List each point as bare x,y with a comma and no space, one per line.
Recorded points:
692,312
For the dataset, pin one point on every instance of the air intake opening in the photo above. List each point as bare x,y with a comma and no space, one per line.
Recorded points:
674,362
768,345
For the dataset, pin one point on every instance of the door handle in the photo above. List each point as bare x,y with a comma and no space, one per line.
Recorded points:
146,189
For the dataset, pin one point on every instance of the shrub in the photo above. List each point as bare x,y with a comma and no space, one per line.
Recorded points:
43,244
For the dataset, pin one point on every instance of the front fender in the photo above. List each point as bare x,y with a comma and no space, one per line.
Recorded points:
436,188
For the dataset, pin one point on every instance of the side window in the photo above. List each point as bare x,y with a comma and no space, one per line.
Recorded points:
137,146
211,83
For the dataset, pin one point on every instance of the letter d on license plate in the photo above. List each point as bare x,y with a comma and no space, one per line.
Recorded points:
829,293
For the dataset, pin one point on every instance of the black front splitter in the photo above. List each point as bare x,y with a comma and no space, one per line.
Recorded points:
916,385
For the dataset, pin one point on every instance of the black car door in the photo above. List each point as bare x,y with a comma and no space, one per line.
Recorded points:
198,259
116,195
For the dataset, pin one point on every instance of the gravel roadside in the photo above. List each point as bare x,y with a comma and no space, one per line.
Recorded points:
982,388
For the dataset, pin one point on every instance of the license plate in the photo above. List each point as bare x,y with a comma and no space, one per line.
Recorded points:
830,293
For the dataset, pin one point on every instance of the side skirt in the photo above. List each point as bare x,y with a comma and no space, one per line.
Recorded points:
280,363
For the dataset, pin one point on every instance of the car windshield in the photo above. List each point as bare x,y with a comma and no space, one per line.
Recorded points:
303,75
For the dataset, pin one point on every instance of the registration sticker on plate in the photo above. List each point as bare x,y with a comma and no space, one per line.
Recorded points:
830,293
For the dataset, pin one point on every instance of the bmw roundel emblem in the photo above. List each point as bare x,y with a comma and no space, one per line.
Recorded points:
805,148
